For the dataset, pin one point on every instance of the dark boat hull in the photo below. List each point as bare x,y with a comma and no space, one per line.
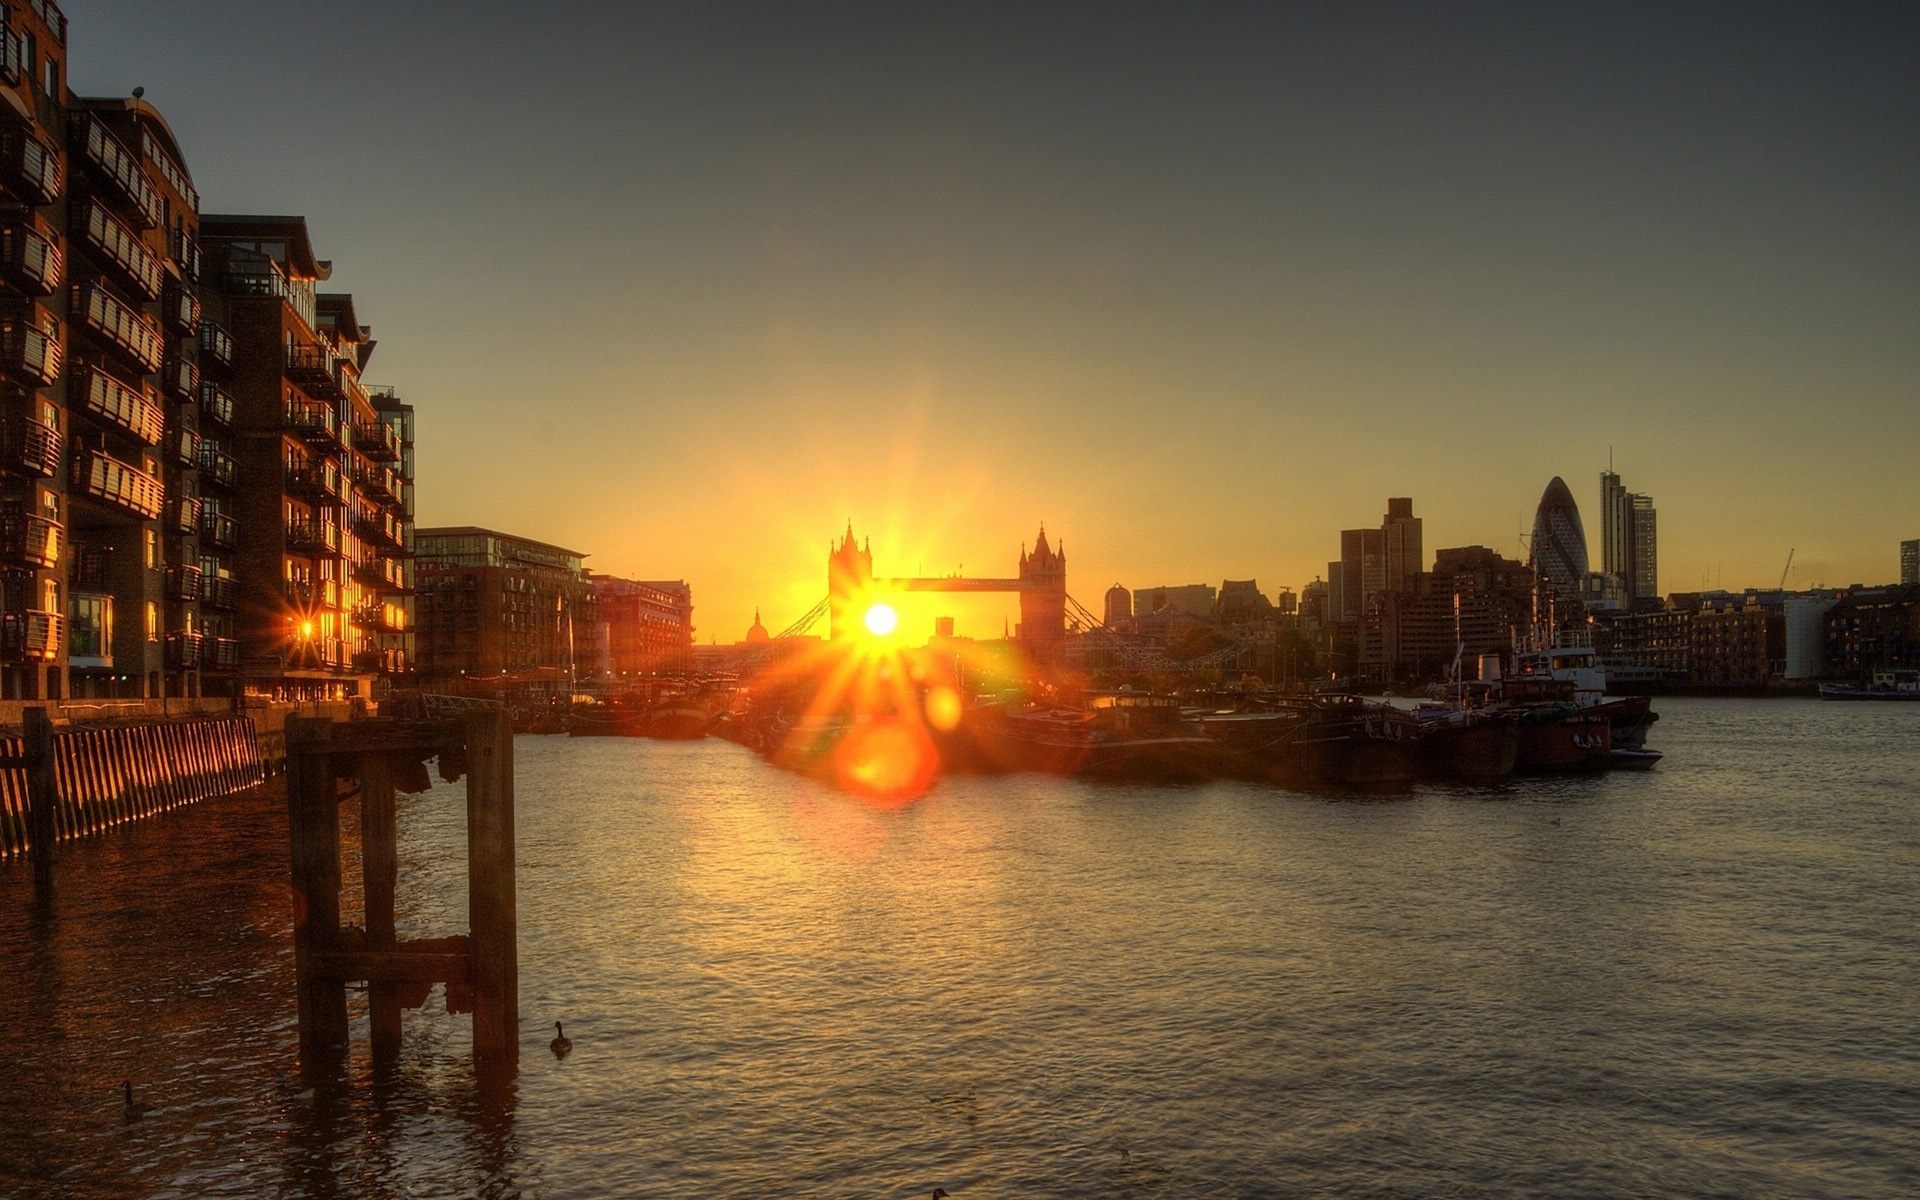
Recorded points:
1482,749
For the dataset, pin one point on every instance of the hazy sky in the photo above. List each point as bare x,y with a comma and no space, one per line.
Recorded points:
1197,286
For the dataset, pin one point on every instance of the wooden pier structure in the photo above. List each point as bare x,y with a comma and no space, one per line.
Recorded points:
480,968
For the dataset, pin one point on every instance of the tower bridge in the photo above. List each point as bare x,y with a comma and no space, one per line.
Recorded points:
1041,584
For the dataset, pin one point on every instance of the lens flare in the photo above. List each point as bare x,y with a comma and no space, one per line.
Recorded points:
888,761
943,708
882,620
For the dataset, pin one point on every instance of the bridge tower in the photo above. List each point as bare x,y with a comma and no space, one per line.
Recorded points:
849,579
1043,602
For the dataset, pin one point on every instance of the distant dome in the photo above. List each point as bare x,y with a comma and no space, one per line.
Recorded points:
1559,540
1119,604
758,633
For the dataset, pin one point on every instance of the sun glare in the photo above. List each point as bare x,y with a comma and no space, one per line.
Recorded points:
882,620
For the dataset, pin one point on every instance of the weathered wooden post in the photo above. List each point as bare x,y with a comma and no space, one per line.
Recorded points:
43,797
380,869
491,906
314,832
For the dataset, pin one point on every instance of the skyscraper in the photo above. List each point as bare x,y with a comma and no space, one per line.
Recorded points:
1628,539
1559,540
1363,569
1910,561
1400,533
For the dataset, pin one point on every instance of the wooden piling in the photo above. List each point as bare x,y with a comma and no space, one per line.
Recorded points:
314,830
380,869
492,916
43,797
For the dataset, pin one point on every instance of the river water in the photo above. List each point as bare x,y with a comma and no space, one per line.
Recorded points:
1698,981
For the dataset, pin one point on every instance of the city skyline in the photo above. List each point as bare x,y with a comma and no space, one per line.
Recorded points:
1196,291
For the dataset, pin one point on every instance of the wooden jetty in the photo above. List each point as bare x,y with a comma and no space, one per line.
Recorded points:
480,968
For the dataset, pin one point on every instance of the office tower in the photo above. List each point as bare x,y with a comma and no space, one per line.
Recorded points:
1401,542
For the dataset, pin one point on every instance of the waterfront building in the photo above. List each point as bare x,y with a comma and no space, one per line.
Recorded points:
1804,634
1469,605
1559,545
643,627
500,615
1910,561
1194,598
1629,540
1869,630
139,557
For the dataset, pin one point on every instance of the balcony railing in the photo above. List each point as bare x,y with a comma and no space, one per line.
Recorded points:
382,573
316,423
13,54
217,529
379,528
376,617
318,481
183,651
219,654
109,318
216,591
30,446
377,440
385,662
186,251
29,259
216,345
183,583
258,275
171,171
50,14
30,352
28,166
181,378
215,404
378,482
314,368
88,568
29,541
114,241
185,447
217,466
313,595
180,311
186,514
30,635
118,168
107,478
122,405
317,539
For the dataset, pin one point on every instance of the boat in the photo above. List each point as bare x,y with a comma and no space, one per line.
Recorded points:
1886,685
1470,745
1628,758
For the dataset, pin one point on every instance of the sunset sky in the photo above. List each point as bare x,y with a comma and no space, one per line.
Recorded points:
690,287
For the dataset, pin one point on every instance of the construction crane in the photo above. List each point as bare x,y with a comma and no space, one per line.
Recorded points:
1788,567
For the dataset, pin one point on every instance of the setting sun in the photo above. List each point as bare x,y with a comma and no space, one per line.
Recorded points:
882,620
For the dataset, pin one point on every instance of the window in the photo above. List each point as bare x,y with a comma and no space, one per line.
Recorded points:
91,635
153,549
153,621
53,77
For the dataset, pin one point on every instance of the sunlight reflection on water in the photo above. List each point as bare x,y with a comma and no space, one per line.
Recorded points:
1696,980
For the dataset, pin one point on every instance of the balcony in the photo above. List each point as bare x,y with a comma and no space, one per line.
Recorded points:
171,171
183,583
374,617
186,514
29,259
384,662
117,169
217,529
88,568
319,482
216,346
378,482
50,16
216,591
258,275
377,440
383,574
186,252
28,166
180,311
29,446
128,488
116,244
28,541
217,467
183,651
181,379
379,528
314,423
122,405
316,370
313,595
30,635
219,654
215,404
28,352
184,445
315,539
113,321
